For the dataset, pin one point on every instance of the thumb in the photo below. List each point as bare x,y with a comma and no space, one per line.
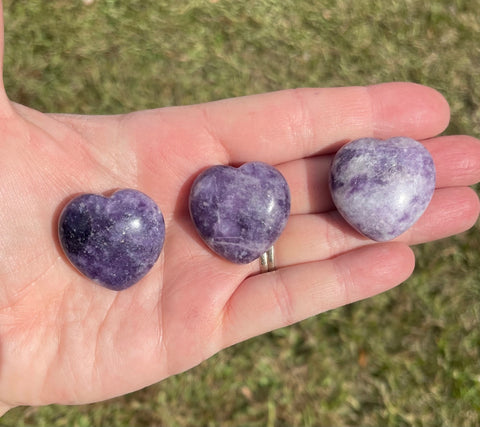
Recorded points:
5,105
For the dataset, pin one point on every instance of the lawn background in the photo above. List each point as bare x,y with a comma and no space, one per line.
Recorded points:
407,357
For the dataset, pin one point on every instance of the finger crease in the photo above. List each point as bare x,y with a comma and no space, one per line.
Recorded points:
283,298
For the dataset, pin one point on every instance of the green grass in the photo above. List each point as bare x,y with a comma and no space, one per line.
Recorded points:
407,357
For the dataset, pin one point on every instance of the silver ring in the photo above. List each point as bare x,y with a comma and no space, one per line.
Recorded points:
267,261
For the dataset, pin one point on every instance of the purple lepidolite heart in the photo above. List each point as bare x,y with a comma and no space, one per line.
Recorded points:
112,240
382,187
239,213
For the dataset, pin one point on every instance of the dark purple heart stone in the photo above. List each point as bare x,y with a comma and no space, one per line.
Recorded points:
112,240
382,187
240,213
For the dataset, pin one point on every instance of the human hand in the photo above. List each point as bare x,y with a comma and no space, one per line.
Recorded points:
66,340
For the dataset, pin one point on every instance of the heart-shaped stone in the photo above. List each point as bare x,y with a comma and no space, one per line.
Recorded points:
382,187
240,212
112,240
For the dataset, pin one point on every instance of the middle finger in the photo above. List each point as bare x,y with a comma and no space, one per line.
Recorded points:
456,158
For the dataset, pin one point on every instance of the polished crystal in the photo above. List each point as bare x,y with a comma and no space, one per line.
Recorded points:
240,212
382,187
115,240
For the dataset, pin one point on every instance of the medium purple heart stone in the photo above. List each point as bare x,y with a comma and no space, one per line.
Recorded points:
382,187
115,240
240,213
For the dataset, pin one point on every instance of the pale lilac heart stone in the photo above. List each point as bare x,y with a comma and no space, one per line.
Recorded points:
240,212
382,187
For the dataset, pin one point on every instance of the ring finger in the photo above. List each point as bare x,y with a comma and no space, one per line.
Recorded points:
314,237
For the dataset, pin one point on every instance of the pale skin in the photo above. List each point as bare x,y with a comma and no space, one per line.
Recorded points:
64,339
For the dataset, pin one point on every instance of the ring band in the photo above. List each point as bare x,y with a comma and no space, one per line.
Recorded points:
267,261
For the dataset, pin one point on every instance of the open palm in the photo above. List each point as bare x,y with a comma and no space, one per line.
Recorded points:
64,339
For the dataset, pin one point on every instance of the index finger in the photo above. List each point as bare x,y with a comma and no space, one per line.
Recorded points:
290,124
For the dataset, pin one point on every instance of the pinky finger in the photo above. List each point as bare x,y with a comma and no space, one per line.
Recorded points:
269,301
